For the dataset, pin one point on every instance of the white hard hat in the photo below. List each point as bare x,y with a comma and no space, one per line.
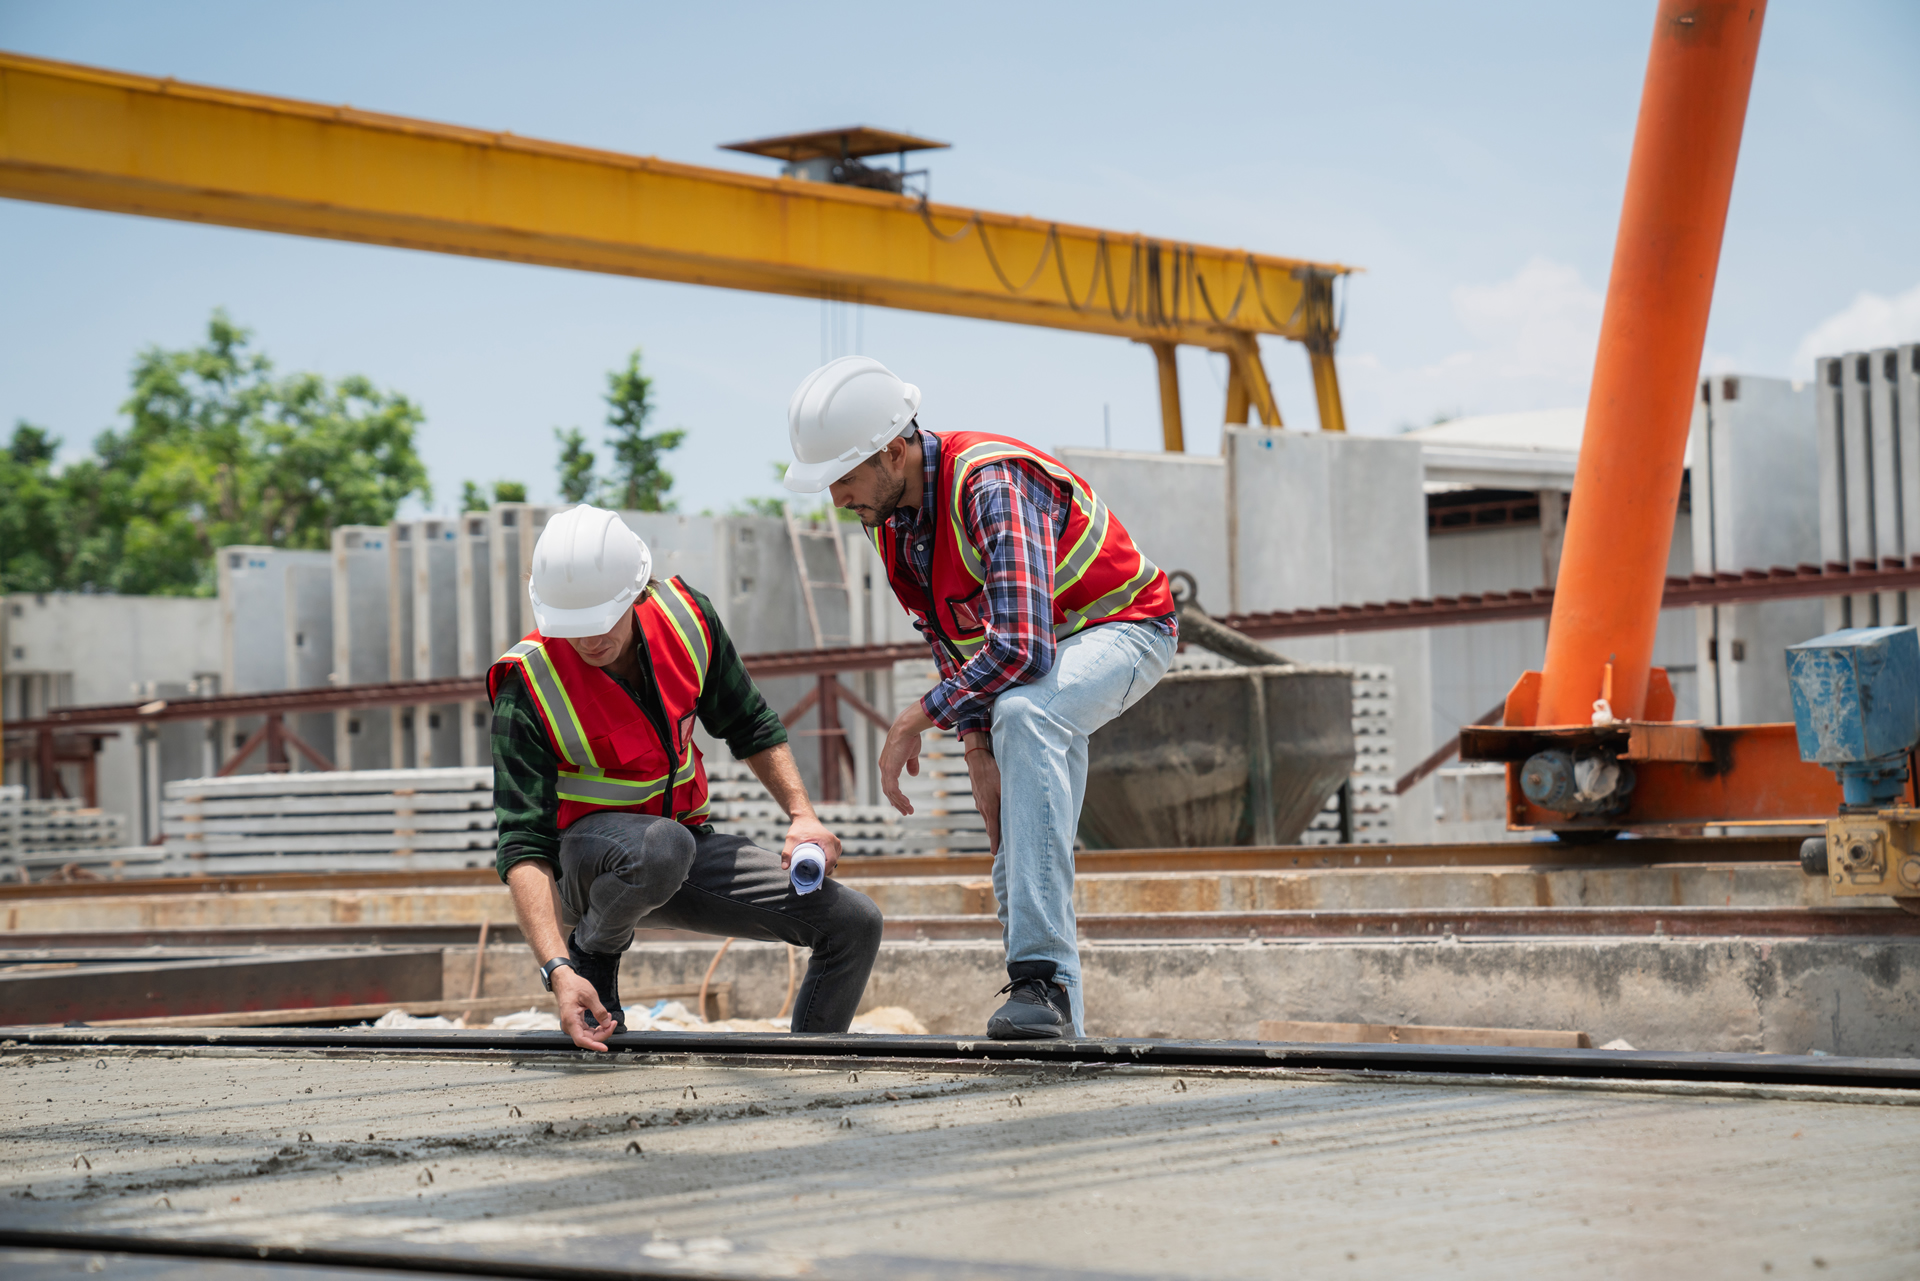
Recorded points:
588,569
841,415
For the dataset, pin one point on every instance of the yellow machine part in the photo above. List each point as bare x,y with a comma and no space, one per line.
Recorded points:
96,139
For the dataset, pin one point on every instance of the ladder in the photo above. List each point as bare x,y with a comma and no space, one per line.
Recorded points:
802,531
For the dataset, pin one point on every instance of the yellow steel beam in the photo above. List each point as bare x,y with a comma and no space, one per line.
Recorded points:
72,135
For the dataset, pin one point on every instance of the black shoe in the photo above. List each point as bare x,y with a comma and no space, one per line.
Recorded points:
602,969
1038,1010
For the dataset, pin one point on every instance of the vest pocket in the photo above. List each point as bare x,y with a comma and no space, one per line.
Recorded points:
965,611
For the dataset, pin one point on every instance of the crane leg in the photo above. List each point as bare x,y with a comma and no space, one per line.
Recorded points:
1172,435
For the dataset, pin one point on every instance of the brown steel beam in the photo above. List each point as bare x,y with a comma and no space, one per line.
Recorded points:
1890,574
216,985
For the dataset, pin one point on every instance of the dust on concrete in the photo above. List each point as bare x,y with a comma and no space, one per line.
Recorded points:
1132,1172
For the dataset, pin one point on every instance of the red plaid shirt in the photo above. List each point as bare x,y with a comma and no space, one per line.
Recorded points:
1016,514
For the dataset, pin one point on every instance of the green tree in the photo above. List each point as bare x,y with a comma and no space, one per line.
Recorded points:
474,499
577,481
639,482
35,547
216,451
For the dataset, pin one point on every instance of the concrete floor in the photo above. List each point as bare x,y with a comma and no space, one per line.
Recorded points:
763,1172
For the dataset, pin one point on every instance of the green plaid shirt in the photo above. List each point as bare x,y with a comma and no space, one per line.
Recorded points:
526,800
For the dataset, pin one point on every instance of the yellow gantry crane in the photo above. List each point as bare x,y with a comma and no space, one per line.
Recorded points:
97,139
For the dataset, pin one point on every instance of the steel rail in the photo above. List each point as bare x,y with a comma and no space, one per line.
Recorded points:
461,1260
1892,573
1780,582
1352,925
1250,858
800,1049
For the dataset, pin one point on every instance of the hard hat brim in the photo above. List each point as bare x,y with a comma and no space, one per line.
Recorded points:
578,624
811,478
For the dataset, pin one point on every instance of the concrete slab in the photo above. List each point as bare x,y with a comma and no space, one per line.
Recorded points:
728,1170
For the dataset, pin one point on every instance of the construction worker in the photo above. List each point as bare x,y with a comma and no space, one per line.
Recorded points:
1044,618
601,794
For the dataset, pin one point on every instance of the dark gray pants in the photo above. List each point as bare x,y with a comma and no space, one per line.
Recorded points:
622,871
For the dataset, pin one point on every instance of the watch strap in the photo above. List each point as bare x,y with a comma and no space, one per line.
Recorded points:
546,971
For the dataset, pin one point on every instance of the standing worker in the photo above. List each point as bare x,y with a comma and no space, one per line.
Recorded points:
601,795
1044,618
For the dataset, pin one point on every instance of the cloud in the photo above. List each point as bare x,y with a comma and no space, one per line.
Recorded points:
1544,322
1533,340
1867,322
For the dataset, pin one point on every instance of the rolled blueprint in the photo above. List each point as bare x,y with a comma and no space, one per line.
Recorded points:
807,867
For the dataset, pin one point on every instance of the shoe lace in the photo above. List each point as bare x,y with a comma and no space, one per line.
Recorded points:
1041,987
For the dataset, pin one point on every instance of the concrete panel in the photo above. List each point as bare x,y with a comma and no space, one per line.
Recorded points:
1172,504
1333,519
473,551
309,639
72,648
1756,502
400,623
253,623
360,642
436,637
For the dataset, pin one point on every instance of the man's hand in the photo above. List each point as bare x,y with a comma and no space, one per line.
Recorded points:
902,751
806,826
582,1017
984,773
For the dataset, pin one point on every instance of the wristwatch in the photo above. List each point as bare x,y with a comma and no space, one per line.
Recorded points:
546,971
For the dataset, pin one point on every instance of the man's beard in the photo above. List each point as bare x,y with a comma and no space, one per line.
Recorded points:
885,506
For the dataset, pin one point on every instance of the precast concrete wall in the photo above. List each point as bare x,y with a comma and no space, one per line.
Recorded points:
1173,505
252,583
309,639
1755,486
1336,519
400,621
1868,415
436,637
361,609
65,648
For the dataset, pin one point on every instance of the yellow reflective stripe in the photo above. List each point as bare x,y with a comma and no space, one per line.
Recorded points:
551,693
1070,564
601,790
1080,557
521,650
594,785
1113,602
684,618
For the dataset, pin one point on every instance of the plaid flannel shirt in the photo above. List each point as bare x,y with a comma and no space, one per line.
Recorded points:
1016,514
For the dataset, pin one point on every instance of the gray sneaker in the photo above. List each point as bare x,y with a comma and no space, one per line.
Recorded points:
1038,1008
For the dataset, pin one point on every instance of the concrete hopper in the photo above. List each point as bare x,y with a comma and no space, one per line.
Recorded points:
1234,756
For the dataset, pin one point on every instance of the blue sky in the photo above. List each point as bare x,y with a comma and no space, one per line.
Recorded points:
1470,157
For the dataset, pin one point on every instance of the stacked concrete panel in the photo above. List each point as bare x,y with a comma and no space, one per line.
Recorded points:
1755,486
339,821
434,564
309,640
1868,412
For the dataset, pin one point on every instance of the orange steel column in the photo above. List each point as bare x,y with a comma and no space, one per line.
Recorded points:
1614,559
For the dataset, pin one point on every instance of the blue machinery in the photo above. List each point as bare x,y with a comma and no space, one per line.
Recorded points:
1856,710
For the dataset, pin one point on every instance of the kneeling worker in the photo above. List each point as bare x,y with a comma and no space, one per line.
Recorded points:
601,795
1044,618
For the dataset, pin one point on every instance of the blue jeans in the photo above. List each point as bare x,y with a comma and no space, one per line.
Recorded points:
1040,745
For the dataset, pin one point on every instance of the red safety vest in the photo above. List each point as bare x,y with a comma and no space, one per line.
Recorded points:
1099,576
610,756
